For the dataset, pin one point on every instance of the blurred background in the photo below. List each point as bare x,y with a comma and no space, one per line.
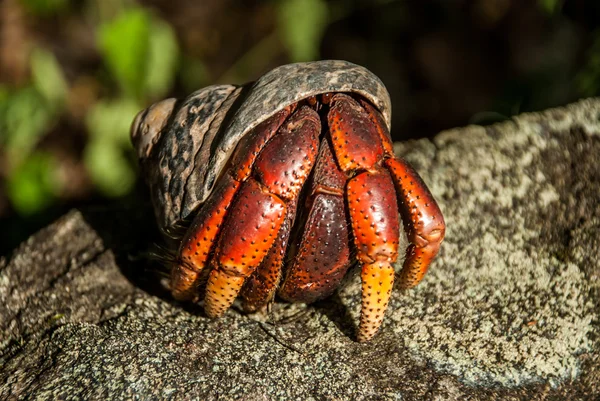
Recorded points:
73,73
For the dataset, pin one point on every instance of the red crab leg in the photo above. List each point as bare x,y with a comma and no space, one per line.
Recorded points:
423,220
260,209
374,215
249,232
259,288
197,243
372,206
323,256
201,236
377,121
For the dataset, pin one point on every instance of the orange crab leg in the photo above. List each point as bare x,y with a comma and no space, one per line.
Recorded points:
196,245
377,121
251,145
251,229
260,209
201,237
259,288
374,215
199,241
372,206
355,139
423,220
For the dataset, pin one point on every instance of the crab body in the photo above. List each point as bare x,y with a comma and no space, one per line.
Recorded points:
290,181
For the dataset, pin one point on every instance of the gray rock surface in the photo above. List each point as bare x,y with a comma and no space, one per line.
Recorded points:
509,310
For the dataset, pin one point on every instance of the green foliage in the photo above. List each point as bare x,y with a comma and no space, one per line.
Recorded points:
302,24
124,43
141,52
162,59
33,184
105,155
25,116
108,167
27,113
48,78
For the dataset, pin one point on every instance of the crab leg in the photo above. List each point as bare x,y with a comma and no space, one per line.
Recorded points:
259,288
323,256
423,221
196,245
372,206
201,237
421,215
259,210
251,229
374,214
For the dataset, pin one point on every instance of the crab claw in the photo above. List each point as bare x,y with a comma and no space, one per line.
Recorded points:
377,283
260,209
423,220
374,214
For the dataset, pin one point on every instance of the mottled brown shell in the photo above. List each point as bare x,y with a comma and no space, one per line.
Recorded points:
184,144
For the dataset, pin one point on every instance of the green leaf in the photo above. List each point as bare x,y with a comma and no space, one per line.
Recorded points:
34,184
48,78
108,167
111,120
24,118
302,24
105,154
124,42
4,93
163,57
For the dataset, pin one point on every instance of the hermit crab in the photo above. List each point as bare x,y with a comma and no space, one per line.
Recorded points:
287,182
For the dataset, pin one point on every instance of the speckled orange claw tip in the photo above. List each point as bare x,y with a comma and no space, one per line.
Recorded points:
377,284
221,291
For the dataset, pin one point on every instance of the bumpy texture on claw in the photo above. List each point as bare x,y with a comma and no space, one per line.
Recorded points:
323,255
261,208
198,243
355,139
249,233
359,144
423,222
259,289
377,283
374,215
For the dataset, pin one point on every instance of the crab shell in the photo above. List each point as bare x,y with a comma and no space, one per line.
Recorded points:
184,145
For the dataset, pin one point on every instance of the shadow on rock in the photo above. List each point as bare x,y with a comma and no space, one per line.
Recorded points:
130,232
338,313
